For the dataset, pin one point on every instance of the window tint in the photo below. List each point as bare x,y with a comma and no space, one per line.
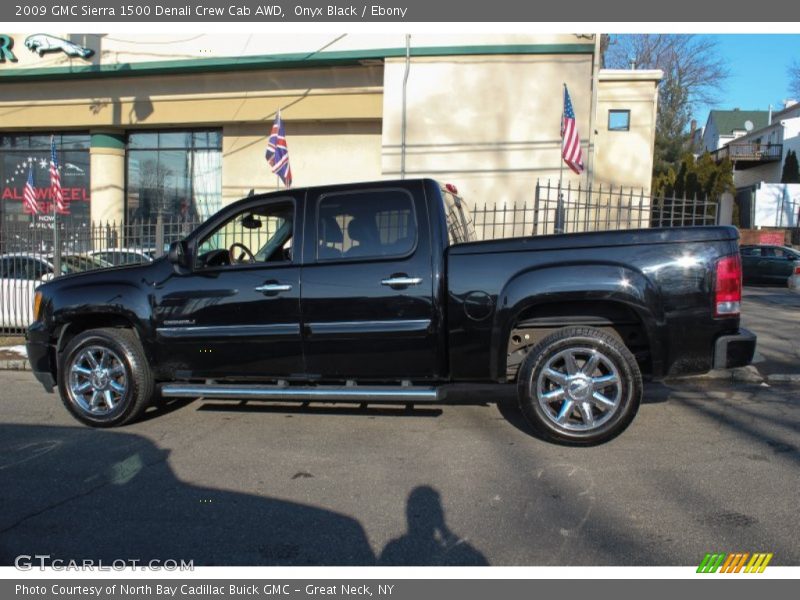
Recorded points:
259,234
365,224
751,251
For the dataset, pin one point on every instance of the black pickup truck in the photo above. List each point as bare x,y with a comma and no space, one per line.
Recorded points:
378,292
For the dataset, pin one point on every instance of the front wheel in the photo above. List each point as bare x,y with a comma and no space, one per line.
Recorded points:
104,379
580,385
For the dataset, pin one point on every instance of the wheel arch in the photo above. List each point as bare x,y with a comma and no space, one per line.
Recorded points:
605,291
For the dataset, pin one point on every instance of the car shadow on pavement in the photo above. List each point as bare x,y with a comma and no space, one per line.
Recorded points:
75,494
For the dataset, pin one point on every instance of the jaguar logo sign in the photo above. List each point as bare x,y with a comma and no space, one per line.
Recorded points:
42,43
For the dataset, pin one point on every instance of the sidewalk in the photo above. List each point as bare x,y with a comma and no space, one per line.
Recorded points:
772,313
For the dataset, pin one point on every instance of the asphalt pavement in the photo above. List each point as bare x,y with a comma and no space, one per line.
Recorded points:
706,466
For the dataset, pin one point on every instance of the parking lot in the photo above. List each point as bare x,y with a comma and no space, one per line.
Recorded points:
708,465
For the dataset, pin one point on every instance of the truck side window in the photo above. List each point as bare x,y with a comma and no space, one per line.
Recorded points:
365,224
261,234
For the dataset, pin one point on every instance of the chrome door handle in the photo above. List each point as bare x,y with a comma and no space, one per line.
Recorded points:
274,287
401,281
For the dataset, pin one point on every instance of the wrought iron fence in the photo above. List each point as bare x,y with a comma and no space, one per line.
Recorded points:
575,209
30,254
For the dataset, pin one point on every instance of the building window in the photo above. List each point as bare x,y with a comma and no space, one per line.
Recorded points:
177,174
24,153
619,120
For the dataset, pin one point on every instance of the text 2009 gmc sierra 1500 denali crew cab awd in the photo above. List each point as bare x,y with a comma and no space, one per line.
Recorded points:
378,292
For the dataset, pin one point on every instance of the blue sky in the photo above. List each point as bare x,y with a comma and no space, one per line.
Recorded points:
757,65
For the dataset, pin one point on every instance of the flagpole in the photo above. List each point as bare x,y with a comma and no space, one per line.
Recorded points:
558,226
56,241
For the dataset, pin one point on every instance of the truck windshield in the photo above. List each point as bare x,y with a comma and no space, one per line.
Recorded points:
459,221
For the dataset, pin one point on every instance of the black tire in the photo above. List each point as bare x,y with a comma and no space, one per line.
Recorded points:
604,401
118,390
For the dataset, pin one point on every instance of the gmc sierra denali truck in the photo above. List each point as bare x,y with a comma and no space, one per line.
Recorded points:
378,292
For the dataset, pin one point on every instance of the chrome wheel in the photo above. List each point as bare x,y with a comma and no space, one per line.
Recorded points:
98,383
579,389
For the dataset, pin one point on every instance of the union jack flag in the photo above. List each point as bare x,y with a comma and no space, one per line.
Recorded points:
278,152
29,204
570,140
55,179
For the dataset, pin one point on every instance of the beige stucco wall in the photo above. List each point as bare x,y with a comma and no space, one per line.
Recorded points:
341,93
489,124
625,158
320,153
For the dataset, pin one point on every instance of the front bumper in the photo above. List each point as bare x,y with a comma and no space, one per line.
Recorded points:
734,350
40,356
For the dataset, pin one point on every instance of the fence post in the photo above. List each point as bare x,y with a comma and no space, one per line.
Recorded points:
536,210
159,235
56,246
559,224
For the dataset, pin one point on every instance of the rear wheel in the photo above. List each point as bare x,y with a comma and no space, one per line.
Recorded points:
104,378
580,385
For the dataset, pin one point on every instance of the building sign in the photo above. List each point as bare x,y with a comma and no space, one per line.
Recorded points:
24,154
6,45
42,43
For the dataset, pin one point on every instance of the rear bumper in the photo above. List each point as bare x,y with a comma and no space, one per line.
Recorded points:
40,357
734,350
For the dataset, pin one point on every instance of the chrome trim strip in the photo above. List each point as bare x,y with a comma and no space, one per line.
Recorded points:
303,394
406,326
217,331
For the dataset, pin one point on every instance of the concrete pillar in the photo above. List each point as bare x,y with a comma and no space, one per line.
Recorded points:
107,156
725,216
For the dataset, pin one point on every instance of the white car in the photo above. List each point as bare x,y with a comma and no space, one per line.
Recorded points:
21,273
124,256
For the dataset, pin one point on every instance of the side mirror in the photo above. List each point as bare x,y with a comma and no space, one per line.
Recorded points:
47,277
178,254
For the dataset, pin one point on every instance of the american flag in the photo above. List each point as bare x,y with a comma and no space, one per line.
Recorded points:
570,140
55,179
29,203
278,152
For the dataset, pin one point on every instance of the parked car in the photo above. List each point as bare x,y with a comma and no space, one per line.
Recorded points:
21,273
124,256
768,264
376,292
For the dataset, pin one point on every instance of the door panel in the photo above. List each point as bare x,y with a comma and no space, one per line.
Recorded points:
367,287
237,313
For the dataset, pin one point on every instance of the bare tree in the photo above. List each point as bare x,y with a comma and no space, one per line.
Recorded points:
794,78
694,73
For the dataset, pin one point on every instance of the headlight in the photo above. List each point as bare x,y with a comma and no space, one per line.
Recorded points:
37,305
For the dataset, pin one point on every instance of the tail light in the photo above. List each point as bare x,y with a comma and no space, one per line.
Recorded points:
797,270
728,288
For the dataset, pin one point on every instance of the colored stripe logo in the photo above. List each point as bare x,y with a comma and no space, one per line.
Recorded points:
735,562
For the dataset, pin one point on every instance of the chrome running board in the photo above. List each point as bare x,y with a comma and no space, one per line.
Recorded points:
319,393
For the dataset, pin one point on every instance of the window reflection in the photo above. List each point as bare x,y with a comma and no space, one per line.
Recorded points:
177,174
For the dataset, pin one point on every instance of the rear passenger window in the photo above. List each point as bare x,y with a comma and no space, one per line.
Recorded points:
368,224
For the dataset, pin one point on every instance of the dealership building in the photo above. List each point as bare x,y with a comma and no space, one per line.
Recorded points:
177,124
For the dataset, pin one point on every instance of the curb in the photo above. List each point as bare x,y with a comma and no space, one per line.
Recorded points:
784,378
19,364
748,374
